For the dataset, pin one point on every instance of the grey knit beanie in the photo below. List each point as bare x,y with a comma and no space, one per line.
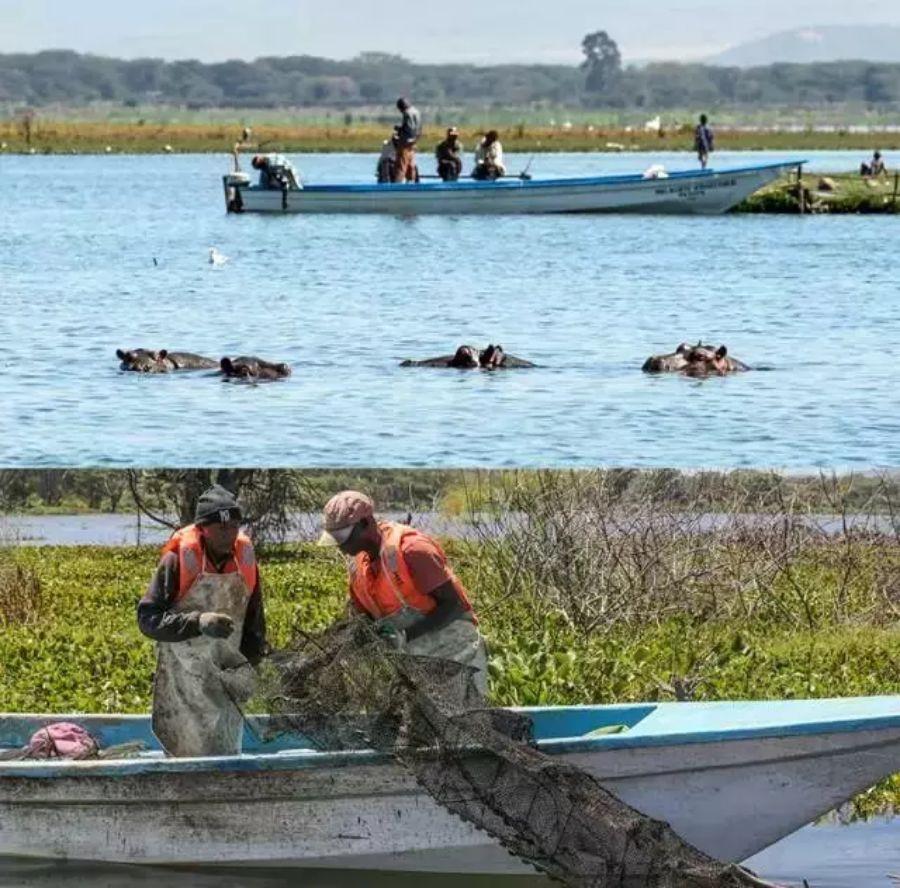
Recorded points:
217,504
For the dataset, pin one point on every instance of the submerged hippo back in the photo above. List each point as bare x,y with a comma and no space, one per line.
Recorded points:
190,361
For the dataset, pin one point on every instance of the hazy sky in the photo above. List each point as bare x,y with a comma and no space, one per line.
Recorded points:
479,31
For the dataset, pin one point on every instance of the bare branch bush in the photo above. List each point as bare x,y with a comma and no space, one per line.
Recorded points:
600,554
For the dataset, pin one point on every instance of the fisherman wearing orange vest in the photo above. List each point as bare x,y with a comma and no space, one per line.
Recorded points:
204,609
400,578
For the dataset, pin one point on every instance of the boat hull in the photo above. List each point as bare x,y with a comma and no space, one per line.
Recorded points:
730,795
705,192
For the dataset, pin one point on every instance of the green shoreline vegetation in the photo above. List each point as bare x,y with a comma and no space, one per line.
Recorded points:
148,136
593,599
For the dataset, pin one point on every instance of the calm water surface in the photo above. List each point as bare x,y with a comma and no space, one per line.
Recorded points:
832,856
345,298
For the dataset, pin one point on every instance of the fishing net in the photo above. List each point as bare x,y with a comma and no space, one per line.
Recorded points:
348,689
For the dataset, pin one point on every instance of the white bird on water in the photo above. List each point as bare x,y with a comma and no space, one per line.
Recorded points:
216,258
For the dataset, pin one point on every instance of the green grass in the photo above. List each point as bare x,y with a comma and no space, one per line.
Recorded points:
834,193
78,648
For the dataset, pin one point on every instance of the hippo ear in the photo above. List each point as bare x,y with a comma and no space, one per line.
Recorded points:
682,348
121,355
226,365
721,351
162,354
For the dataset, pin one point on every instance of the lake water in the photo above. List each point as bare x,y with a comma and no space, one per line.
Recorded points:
829,856
345,298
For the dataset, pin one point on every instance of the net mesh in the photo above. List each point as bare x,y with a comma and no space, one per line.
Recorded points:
347,689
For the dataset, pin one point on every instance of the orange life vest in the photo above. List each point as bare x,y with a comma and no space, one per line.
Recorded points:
383,588
192,560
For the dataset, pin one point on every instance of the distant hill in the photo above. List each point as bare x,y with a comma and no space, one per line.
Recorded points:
832,43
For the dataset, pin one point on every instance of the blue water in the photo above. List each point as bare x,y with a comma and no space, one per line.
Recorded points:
345,298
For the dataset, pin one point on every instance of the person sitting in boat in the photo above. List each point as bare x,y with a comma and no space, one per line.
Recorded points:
387,160
204,609
449,156
489,158
400,579
275,171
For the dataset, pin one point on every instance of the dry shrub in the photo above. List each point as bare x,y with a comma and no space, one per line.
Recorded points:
21,594
607,548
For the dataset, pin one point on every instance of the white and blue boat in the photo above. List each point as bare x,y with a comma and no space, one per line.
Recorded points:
709,191
730,777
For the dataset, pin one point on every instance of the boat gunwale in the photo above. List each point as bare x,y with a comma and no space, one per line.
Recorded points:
643,735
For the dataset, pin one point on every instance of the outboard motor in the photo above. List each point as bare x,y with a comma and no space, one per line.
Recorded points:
232,183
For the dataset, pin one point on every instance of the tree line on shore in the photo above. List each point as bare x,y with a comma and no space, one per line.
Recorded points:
374,78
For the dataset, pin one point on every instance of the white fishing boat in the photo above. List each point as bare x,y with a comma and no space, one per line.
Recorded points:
730,777
709,191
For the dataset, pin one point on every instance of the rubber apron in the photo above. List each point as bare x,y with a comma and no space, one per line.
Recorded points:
199,682
459,640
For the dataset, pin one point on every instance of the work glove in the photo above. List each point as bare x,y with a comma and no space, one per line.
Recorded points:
216,625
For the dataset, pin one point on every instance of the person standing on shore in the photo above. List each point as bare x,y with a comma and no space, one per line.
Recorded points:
703,141
399,577
407,136
204,609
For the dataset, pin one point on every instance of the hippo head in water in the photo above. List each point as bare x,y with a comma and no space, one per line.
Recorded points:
491,357
253,368
672,362
694,360
465,356
142,360
707,361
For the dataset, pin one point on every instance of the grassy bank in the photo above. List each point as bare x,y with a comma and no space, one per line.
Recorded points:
668,619
835,193
155,137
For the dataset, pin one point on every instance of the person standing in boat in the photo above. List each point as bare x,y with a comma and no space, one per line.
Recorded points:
489,157
407,136
703,141
204,609
399,577
449,156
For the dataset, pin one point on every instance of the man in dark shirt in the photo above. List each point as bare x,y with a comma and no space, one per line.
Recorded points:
449,156
204,609
703,141
407,136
